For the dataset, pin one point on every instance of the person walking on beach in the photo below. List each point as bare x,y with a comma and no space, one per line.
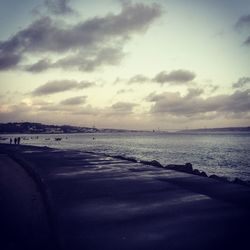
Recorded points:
15,141
18,140
10,140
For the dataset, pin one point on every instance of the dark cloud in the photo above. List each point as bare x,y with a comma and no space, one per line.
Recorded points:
91,61
74,100
247,41
241,82
153,97
175,76
53,87
81,61
97,37
45,112
179,76
238,102
192,92
58,7
8,60
85,84
39,66
191,105
244,22
123,107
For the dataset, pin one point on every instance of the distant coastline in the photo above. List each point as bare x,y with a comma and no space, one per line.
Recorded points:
216,130
39,128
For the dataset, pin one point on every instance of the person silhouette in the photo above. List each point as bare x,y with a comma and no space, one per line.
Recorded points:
18,140
15,140
10,140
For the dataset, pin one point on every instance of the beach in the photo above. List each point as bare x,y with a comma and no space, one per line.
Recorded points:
84,200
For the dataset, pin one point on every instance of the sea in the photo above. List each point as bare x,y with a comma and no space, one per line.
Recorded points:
222,153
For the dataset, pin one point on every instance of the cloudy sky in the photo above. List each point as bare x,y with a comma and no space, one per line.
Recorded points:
167,64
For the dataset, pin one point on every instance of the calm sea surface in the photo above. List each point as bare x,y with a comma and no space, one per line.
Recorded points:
224,154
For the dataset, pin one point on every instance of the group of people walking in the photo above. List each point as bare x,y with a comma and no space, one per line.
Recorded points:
16,140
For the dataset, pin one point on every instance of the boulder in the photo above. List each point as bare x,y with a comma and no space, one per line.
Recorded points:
156,164
187,168
241,182
200,173
152,163
219,178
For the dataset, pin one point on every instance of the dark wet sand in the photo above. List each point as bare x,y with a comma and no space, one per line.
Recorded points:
55,199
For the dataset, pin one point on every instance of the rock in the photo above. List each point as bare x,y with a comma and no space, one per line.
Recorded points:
132,159
156,163
202,173
196,172
152,163
145,162
119,157
189,167
220,178
239,181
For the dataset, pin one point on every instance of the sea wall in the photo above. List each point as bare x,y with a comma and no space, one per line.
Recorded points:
186,168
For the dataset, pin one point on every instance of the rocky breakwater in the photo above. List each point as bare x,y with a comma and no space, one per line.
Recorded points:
188,168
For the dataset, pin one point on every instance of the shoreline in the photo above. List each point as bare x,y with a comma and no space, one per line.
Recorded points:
102,202
186,168
227,160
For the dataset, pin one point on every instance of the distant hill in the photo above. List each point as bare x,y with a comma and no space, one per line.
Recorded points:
31,128
39,128
210,130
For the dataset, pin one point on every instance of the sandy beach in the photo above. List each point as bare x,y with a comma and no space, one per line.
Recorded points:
62,199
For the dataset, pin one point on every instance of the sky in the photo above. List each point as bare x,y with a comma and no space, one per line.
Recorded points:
160,64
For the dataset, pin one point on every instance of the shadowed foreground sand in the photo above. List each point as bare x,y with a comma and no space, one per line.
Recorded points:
55,199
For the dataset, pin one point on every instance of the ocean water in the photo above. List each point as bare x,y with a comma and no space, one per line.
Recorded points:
223,154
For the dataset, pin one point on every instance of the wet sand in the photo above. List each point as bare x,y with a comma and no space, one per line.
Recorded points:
76,200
